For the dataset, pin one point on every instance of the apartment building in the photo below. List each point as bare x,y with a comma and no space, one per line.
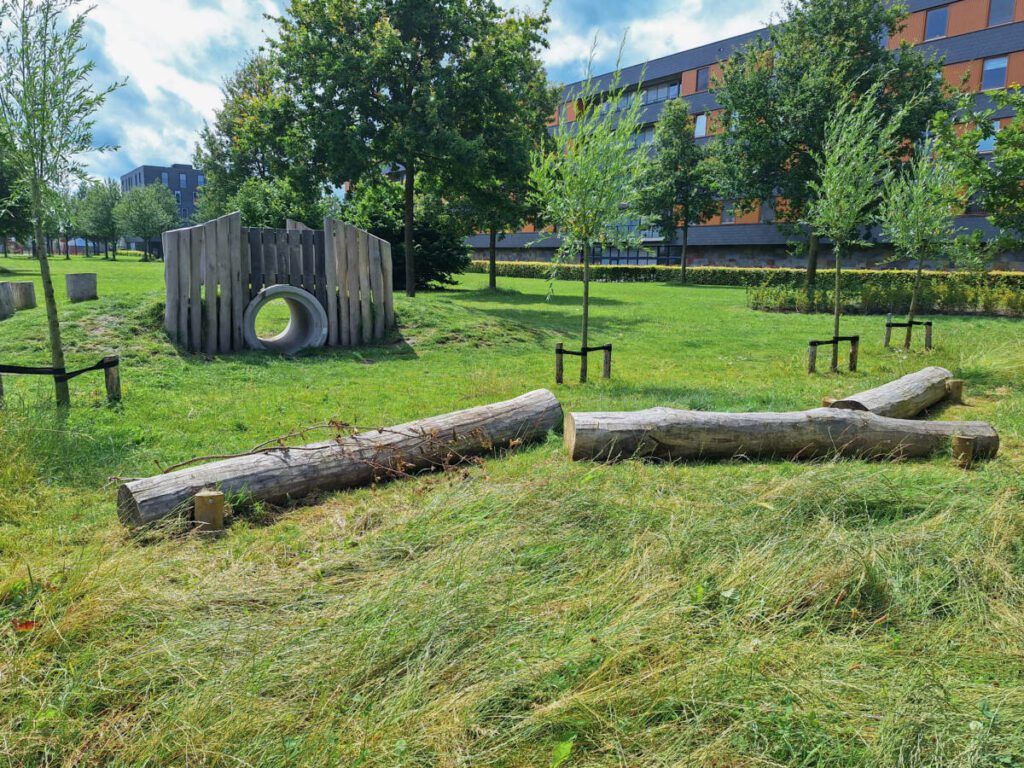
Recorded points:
980,39
183,180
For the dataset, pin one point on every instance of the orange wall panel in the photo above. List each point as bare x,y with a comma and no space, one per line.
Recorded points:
913,30
689,84
1019,16
1015,69
967,16
954,74
754,217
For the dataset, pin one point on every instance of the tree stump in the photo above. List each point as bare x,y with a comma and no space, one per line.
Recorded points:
81,287
6,301
24,295
964,450
955,388
209,511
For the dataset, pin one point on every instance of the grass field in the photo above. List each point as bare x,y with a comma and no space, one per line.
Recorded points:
528,612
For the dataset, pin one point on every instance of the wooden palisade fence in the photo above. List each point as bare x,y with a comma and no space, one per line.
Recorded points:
214,270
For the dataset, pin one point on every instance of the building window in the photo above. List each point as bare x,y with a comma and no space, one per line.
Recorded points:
183,181
165,179
703,79
994,74
644,136
657,93
1000,12
988,145
728,213
700,127
202,181
177,196
936,23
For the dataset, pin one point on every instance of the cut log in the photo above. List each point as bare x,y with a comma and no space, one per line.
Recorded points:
81,287
350,462
6,301
672,435
24,295
901,399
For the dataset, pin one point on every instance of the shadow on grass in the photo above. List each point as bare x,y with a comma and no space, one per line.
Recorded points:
531,299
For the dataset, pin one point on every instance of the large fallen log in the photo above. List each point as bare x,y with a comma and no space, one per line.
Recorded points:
673,435
904,398
290,473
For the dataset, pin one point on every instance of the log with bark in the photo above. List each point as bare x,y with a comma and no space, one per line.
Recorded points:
904,398
673,435
283,474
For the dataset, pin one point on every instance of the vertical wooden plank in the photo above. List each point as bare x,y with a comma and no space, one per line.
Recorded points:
269,257
170,243
295,258
352,255
342,235
366,318
320,257
195,299
377,289
210,278
308,261
239,279
184,269
389,284
331,272
255,240
224,279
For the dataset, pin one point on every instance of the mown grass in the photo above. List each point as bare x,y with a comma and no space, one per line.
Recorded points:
738,614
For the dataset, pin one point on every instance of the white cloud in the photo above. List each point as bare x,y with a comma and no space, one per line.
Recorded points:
175,54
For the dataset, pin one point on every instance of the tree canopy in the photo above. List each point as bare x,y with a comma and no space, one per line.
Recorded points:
386,82
147,212
96,213
778,92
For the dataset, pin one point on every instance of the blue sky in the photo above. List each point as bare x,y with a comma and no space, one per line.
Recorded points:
176,53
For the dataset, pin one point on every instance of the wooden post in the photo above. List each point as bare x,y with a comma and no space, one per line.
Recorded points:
928,337
209,511
955,391
812,358
963,451
1,391
559,363
828,402
835,356
854,353
112,376
888,330
608,361
7,307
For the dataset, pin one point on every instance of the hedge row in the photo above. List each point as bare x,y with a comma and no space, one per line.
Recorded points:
951,297
879,286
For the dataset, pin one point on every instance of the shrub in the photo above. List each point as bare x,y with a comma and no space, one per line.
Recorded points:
876,291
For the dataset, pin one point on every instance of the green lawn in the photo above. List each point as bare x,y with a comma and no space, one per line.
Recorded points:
738,614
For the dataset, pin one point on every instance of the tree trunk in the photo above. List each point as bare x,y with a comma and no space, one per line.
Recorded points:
67,248
686,242
904,398
813,246
837,250
283,474
61,388
410,221
492,281
672,435
6,254
911,314
113,251
587,252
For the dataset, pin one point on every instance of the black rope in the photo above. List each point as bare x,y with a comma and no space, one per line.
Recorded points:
834,341
60,374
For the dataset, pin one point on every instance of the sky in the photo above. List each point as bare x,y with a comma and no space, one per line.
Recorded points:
175,55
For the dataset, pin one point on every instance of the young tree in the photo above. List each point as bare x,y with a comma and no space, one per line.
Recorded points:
919,209
381,83
776,93
859,139
147,212
587,185
677,192
47,109
506,108
97,213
